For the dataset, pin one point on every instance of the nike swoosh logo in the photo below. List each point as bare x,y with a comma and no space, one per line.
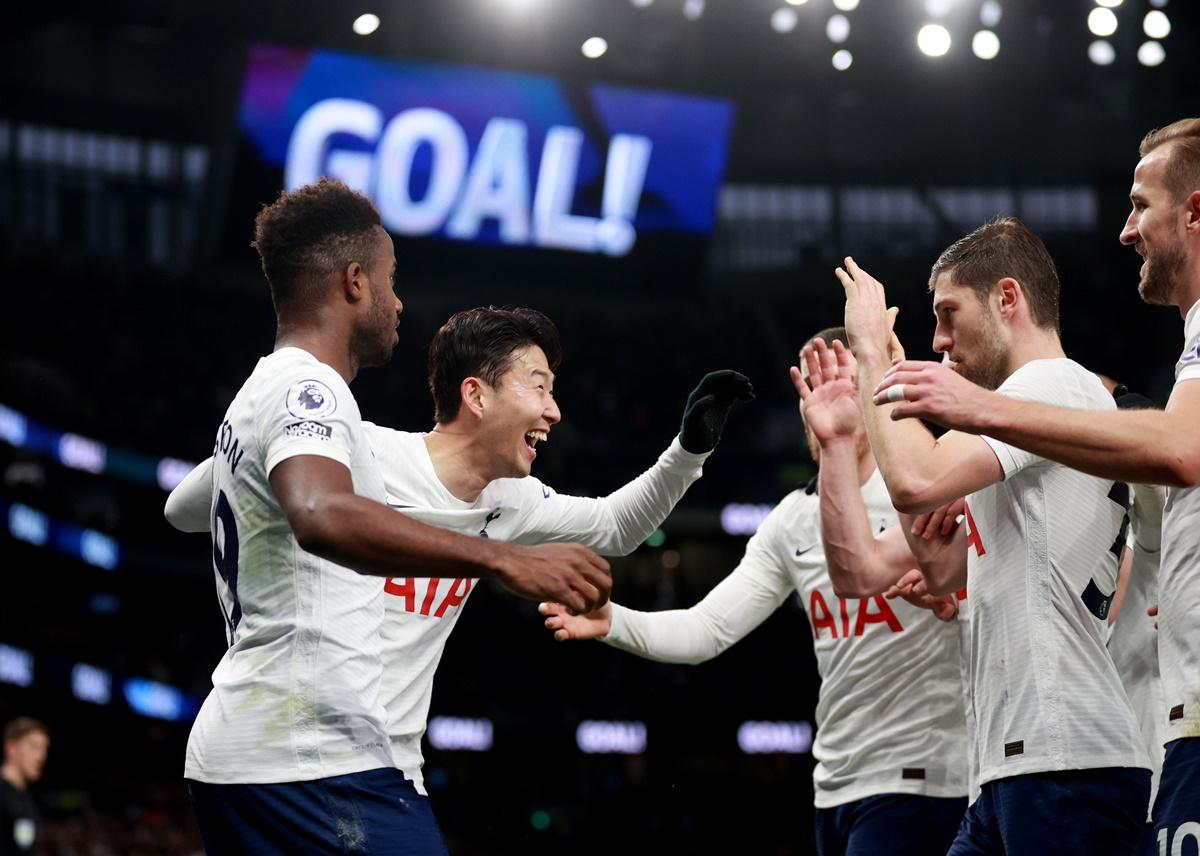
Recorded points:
545,493
800,552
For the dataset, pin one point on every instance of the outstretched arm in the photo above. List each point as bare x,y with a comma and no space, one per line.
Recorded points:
189,506
921,472
735,606
1137,446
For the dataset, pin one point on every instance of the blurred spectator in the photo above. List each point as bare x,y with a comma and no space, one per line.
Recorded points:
26,742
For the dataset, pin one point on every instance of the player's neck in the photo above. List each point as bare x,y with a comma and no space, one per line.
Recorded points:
10,774
1038,343
457,462
325,341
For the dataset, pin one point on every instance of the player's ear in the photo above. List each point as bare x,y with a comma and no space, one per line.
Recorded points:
474,393
354,283
1010,295
1193,213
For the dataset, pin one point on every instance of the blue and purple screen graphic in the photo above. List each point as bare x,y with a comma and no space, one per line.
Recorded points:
490,156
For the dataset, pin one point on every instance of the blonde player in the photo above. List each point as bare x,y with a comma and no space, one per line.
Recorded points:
1062,765
491,373
891,774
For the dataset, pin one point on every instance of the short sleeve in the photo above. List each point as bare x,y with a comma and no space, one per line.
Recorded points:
1040,381
309,411
1188,366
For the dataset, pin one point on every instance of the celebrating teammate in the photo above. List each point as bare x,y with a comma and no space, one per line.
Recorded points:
891,774
491,373
1062,765
290,751
1149,446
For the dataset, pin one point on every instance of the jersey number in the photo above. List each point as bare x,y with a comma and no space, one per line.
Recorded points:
225,557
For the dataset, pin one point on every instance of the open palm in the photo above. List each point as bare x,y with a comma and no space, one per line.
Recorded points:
829,396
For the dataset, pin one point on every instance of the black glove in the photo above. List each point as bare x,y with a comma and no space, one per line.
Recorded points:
708,407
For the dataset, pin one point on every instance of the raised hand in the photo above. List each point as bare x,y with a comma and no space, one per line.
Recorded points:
708,407
829,398
868,326
568,574
592,625
935,392
941,521
911,587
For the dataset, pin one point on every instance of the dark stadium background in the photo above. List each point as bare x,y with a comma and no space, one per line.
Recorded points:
139,338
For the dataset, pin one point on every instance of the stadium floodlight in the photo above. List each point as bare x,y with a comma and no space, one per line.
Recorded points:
641,4
1109,4
837,28
1101,52
842,60
784,20
933,40
938,8
845,5
985,44
693,9
797,2
366,24
594,48
1158,4
990,13
1156,24
1102,22
1151,53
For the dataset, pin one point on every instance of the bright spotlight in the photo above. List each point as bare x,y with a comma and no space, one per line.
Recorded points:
1156,24
1151,53
990,13
933,40
938,8
1101,52
1158,4
784,20
1102,22
594,47
693,9
842,60
1109,4
641,4
366,24
838,28
985,44
845,5
797,2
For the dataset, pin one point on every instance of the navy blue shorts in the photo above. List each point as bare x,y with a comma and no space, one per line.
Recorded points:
896,824
374,813
1177,808
1094,812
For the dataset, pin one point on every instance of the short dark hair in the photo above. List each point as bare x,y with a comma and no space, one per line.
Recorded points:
830,335
310,233
1004,247
21,726
480,343
1182,175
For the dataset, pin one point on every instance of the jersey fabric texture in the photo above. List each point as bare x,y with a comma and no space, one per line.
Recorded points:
1042,551
1179,578
890,710
421,613
296,696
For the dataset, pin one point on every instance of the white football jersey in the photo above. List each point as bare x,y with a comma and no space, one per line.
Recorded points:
1179,579
1042,553
297,694
890,709
420,613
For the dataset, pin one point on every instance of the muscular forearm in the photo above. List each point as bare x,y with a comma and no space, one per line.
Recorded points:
369,537
1149,446
942,560
857,566
903,450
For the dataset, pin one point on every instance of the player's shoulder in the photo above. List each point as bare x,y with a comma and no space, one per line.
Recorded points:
305,387
795,513
1059,381
517,492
